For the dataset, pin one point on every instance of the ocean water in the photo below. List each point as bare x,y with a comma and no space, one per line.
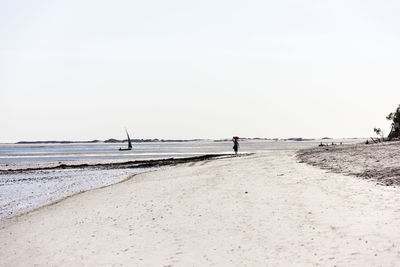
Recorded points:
28,153
20,155
22,191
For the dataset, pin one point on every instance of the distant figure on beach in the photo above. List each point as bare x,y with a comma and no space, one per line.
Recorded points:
235,144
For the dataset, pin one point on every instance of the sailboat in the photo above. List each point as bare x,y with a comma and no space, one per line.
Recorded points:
129,143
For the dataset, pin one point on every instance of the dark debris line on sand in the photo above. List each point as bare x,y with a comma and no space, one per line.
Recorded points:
379,162
125,165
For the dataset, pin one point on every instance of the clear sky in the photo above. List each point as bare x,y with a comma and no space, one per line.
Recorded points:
81,70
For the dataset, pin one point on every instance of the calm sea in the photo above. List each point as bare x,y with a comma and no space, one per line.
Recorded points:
19,154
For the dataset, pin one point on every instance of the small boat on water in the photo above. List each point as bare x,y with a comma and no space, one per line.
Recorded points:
129,143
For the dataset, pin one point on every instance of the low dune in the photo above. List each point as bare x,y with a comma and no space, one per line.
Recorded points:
379,162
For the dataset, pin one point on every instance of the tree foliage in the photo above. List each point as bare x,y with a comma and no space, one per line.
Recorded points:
395,118
378,131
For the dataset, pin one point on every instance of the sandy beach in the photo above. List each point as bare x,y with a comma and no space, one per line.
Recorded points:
377,162
260,210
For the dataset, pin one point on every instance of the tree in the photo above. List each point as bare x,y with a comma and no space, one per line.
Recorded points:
379,132
395,118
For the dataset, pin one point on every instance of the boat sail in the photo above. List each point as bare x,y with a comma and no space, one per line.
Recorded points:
129,142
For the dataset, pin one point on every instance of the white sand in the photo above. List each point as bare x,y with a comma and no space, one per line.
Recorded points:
200,215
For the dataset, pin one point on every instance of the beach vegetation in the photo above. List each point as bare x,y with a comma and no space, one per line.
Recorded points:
379,132
395,118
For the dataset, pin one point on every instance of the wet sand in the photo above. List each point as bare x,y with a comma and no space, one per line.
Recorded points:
154,163
28,188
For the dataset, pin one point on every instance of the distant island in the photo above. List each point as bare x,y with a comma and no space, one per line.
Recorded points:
112,140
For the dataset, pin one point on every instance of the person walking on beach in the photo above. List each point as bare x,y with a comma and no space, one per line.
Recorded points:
235,144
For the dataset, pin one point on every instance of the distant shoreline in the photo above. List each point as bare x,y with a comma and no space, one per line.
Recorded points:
112,140
105,141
